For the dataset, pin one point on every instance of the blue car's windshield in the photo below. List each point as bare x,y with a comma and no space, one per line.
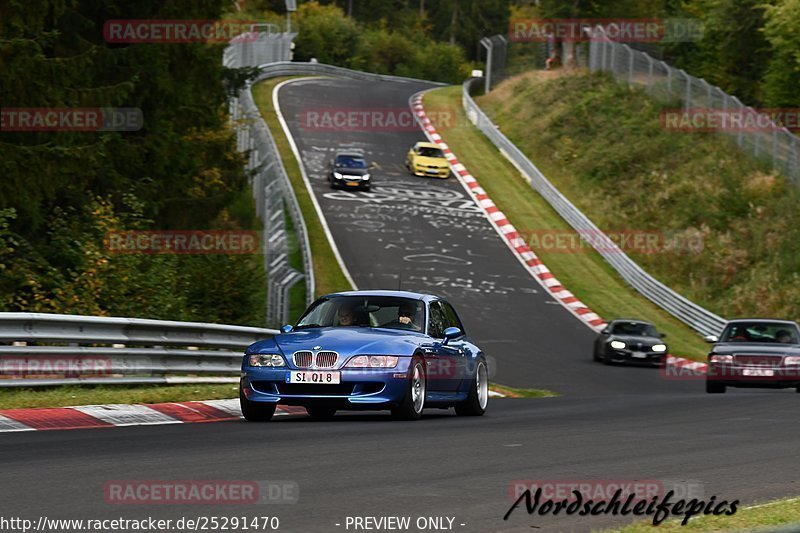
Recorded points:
350,161
365,311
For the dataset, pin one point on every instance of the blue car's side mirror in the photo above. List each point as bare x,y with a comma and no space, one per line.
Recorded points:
451,333
286,329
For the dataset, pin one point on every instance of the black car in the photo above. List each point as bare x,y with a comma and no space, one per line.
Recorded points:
349,170
630,341
756,352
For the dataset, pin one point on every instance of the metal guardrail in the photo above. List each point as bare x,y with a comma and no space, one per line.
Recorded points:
701,320
160,349
258,47
291,68
272,190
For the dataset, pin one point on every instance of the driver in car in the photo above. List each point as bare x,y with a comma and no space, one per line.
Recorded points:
346,317
406,318
783,336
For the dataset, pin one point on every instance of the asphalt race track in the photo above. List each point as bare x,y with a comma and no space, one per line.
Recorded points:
427,235
612,423
743,446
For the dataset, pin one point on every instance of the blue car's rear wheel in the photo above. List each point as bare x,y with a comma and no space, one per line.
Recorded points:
414,402
256,411
478,397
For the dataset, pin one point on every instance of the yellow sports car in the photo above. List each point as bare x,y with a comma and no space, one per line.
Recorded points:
427,159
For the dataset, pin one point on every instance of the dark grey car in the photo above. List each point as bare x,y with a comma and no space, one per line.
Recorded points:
630,341
756,352
349,170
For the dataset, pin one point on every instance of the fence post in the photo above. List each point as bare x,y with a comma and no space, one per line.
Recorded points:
688,96
757,144
630,64
604,54
649,75
669,78
774,145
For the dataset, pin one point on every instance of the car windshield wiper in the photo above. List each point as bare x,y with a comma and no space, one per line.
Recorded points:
304,326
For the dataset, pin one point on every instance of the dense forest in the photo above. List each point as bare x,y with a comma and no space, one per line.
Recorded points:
750,48
62,192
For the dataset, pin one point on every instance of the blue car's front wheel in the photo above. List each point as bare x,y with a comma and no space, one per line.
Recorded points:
255,411
414,401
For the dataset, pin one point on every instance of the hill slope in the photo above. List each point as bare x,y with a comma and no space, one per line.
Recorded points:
735,223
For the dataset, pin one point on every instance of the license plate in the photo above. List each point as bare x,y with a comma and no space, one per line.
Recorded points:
317,378
353,183
758,372
640,355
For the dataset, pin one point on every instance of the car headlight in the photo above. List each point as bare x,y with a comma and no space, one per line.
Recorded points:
660,348
366,177
618,345
337,175
792,360
373,361
266,359
721,359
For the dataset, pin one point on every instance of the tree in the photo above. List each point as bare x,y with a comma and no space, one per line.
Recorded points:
782,31
325,33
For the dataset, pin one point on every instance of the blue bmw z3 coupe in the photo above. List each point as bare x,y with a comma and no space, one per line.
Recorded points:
367,350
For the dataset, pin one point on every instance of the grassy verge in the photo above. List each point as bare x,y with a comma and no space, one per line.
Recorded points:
758,518
328,275
510,392
586,274
104,394
731,225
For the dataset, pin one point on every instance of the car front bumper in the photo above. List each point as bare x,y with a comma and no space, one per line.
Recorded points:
757,377
642,358
359,388
432,172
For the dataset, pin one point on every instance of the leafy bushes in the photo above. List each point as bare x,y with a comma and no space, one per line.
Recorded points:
326,34
62,191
